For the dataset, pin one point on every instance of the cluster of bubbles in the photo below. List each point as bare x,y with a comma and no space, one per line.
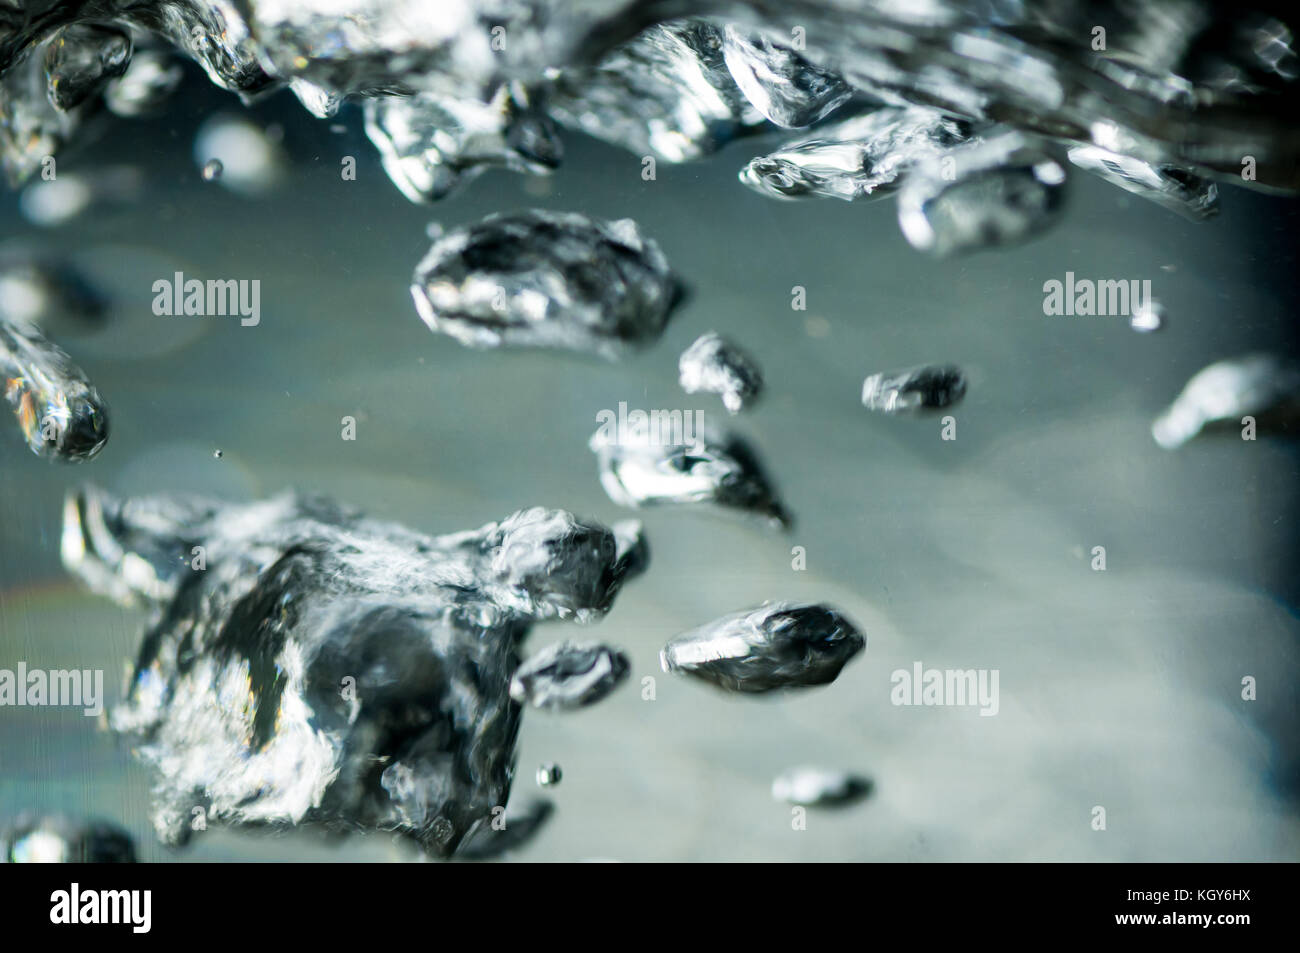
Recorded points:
970,115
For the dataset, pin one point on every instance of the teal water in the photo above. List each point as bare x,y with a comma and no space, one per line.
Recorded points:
1120,689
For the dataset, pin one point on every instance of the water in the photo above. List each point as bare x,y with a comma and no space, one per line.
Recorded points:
1120,688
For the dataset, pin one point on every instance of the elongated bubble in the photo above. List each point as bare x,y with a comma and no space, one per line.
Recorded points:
1253,385
1176,189
782,85
569,675
985,194
81,58
819,787
61,415
776,646
667,94
929,387
662,463
546,279
431,144
862,157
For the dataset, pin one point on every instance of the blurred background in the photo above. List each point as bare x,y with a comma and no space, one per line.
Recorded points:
1119,689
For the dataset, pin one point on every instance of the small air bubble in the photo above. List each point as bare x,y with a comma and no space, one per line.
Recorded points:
548,775
212,170
1147,318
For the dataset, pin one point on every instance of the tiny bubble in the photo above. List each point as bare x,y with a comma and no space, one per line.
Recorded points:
816,327
212,170
548,775
216,454
442,829
1147,318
